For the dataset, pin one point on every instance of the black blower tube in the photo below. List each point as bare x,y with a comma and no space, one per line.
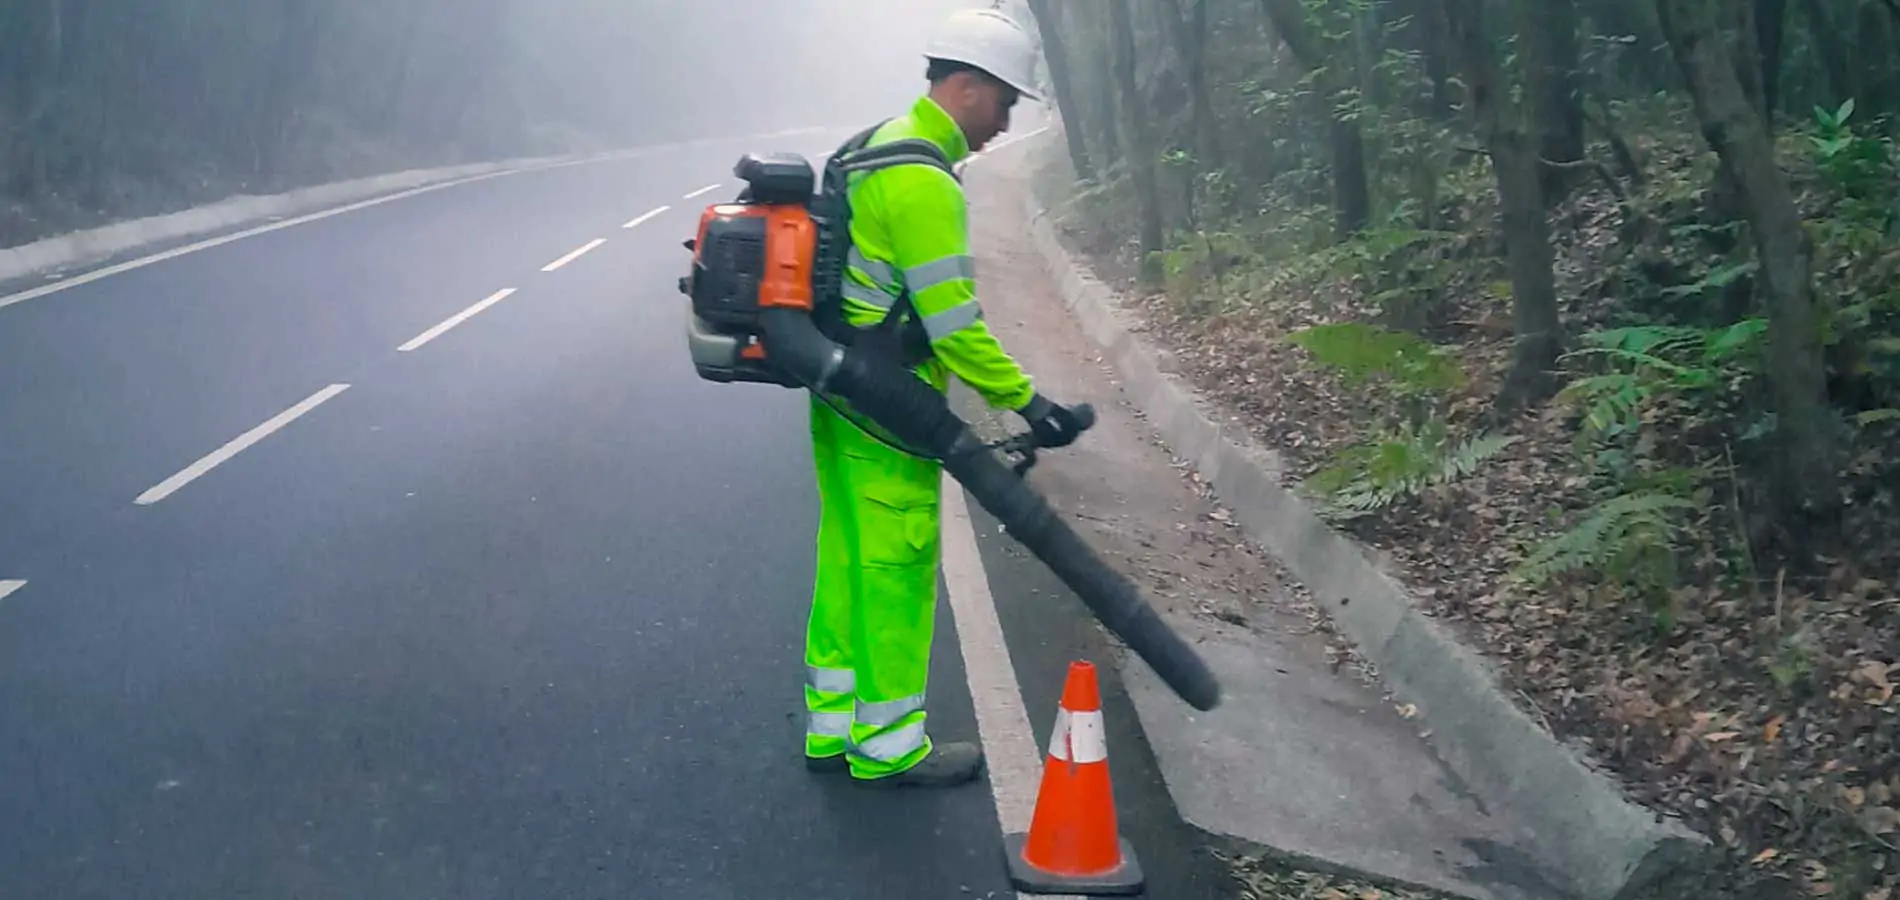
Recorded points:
920,417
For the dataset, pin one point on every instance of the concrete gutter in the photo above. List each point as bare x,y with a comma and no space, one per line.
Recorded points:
1601,845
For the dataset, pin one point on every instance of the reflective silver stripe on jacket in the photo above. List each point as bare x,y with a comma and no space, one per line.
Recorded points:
941,271
950,321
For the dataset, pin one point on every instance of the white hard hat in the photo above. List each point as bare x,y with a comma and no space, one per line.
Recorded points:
990,41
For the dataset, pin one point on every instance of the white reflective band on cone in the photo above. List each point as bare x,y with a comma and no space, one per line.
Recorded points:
1079,737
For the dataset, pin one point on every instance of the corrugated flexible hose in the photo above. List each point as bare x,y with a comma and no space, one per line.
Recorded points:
920,417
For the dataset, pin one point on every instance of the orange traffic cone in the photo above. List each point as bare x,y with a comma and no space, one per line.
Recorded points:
1074,845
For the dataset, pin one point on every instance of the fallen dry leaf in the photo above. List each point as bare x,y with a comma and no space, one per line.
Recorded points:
1881,819
1765,856
1772,732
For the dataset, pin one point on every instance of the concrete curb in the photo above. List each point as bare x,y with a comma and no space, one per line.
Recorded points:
1603,846
96,245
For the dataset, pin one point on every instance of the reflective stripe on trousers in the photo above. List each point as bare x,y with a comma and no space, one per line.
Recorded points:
889,731
828,707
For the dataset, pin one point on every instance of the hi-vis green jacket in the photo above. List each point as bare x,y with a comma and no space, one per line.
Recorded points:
910,228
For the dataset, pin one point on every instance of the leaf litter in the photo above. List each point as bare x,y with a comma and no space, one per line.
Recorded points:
1766,719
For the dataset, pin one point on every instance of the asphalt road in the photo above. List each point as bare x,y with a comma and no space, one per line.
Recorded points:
516,612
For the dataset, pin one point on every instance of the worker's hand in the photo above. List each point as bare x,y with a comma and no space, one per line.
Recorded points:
1054,425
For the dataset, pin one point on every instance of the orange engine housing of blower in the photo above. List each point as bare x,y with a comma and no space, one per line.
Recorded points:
751,254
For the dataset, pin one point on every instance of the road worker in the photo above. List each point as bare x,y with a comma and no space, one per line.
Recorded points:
868,642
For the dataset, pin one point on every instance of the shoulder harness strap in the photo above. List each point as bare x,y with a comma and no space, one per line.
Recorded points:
854,157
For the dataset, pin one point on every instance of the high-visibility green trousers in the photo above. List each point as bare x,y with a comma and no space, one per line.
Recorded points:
867,645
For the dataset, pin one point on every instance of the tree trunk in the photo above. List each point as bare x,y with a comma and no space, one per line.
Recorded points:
1878,30
1209,126
1745,54
1188,27
1807,484
1105,106
1535,323
1771,19
1425,38
1188,30
1141,144
1352,196
1551,60
1833,51
1058,56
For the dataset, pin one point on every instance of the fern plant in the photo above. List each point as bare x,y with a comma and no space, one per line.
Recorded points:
1630,539
1649,362
1415,454
1369,477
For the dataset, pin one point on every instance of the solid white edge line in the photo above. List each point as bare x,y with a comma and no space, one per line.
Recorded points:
574,255
8,586
142,262
1013,141
455,320
616,156
705,190
219,456
1002,724
642,219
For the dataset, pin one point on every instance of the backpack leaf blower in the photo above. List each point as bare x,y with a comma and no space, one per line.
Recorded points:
766,307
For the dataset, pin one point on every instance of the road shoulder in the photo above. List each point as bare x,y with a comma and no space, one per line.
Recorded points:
1305,757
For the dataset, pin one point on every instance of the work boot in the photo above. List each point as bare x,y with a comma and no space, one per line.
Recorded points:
947,765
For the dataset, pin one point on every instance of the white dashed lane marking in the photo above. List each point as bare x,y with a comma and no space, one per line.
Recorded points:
642,219
223,454
456,319
576,254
